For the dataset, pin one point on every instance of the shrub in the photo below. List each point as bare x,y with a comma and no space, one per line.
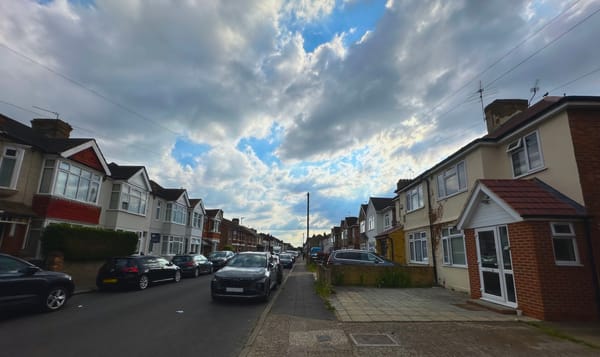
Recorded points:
393,279
85,243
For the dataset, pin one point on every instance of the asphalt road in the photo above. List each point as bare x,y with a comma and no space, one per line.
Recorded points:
171,319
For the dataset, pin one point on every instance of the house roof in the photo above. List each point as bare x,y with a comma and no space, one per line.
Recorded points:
212,212
23,134
350,221
381,202
119,172
534,198
194,201
169,194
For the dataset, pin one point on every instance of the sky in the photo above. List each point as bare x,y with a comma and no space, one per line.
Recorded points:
250,105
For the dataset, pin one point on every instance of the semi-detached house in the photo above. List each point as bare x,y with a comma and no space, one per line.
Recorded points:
513,217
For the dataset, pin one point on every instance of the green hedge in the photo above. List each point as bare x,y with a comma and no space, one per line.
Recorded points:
84,243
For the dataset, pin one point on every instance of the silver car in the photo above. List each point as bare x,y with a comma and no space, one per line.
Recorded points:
357,257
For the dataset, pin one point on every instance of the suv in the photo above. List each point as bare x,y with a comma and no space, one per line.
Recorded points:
356,257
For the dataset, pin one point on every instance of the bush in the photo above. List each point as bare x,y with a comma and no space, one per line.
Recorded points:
85,243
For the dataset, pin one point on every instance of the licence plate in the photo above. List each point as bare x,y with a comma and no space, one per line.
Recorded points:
109,281
234,290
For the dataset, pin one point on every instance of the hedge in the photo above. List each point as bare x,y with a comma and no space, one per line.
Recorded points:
84,243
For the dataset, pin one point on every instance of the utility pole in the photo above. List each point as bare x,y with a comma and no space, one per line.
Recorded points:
307,213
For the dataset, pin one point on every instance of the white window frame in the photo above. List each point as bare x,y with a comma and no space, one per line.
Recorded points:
417,243
387,220
172,245
450,234
176,213
16,169
121,197
371,223
519,146
197,220
556,235
216,226
363,225
75,173
417,193
157,213
451,173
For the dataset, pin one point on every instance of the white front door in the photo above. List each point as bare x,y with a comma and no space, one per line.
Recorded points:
495,266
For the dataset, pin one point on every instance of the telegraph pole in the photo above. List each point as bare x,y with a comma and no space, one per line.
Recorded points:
307,213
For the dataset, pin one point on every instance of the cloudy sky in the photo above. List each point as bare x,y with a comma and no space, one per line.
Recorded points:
249,105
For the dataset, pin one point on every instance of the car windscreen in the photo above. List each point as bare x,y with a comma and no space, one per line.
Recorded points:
218,255
248,261
122,263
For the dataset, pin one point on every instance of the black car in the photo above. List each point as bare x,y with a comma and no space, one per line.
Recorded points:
219,258
136,271
286,260
193,264
247,275
23,283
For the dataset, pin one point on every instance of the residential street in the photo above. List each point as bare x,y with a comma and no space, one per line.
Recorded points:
166,320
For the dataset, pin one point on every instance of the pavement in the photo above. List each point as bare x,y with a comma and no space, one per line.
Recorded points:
359,321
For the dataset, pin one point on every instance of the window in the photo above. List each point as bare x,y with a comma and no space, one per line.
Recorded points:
453,243
452,181
414,199
371,222
172,245
128,198
157,216
197,220
176,213
76,183
47,176
387,220
418,247
362,226
216,225
564,243
525,154
10,164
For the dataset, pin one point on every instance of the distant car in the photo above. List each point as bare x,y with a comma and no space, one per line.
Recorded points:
357,257
193,264
22,283
314,253
287,260
247,275
136,271
219,258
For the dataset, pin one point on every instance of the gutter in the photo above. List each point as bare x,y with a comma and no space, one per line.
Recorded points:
435,276
595,282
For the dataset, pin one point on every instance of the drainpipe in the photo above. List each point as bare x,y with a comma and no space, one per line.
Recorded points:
435,277
588,239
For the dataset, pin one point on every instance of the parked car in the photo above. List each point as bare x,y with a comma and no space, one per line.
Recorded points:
22,283
247,275
136,271
219,258
193,264
314,252
287,260
357,257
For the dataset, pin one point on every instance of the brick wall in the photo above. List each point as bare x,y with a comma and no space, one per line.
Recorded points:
362,275
52,207
544,290
585,131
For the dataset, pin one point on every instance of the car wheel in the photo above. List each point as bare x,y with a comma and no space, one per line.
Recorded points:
196,272
177,276
143,282
268,292
55,298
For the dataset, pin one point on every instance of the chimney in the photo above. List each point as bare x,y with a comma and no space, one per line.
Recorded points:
235,221
501,110
51,128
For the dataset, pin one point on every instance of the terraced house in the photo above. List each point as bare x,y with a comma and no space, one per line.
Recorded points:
513,217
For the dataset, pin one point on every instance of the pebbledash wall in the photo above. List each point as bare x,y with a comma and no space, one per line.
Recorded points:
544,290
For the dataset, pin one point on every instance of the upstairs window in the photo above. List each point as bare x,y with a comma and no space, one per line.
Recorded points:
71,181
157,214
387,220
10,165
414,199
525,154
176,213
452,180
371,223
197,220
127,198
362,226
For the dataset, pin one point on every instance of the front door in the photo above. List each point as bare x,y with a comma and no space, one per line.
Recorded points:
495,266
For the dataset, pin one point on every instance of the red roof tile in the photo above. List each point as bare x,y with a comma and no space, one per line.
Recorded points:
534,198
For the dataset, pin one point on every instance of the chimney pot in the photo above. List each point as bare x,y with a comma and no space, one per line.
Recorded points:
501,110
52,128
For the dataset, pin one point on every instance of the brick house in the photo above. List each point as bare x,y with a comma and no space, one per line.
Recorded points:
459,216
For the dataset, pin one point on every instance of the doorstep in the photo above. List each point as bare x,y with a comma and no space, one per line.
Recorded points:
500,309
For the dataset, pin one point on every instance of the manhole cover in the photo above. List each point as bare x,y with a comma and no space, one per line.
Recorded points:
373,339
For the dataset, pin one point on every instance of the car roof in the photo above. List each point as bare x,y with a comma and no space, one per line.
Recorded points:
244,253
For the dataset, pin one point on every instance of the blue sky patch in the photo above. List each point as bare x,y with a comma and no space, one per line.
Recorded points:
186,152
264,148
360,15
